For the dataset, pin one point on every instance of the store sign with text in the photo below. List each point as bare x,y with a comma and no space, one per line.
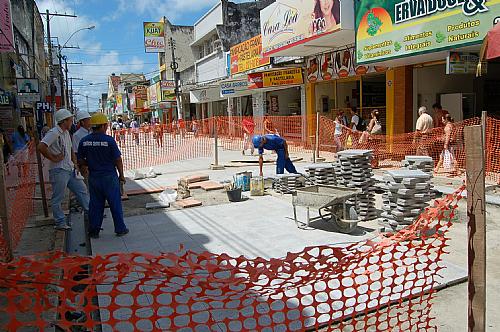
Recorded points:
154,37
274,78
291,22
462,63
233,88
338,64
401,28
248,55
7,34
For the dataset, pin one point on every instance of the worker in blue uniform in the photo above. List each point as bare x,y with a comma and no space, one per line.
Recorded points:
100,154
277,144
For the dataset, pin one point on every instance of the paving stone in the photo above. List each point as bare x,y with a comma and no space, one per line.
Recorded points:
188,203
196,178
210,185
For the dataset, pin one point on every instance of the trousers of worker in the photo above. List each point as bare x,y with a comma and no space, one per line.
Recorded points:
104,188
283,163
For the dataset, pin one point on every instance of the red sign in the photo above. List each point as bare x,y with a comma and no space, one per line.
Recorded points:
255,81
6,36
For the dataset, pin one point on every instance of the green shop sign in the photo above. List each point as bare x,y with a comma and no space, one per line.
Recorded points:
398,28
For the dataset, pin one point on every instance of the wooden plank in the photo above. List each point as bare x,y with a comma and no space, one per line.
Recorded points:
476,212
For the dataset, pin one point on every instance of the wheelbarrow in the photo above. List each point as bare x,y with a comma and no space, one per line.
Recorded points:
332,205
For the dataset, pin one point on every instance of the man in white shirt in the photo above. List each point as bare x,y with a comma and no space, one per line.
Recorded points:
424,125
56,146
83,118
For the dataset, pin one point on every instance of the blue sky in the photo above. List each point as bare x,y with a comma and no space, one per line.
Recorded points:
116,44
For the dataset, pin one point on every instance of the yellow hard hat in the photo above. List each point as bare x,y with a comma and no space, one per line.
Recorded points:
98,119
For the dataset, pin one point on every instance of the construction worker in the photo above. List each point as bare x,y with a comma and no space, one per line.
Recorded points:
100,154
56,146
83,119
277,144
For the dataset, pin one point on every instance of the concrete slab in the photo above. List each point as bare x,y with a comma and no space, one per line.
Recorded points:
188,203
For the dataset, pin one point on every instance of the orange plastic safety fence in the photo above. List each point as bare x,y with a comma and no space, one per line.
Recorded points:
380,284
20,182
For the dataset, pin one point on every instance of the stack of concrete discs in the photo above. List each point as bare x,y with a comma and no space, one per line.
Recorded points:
354,170
407,194
288,183
421,163
322,174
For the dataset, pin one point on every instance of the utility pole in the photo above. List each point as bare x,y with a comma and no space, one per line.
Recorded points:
71,95
174,66
66,63
51,60
88,110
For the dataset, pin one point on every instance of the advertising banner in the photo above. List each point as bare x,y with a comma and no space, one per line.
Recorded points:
272,78
28,85
291,22
7,35
462,63
400,28
119,104
248,55
338,64
153,94
167,85
154,37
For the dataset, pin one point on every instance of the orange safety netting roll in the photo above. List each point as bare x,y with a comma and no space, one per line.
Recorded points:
380,284
20,182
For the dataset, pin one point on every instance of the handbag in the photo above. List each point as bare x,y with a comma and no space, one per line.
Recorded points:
377,129
448,159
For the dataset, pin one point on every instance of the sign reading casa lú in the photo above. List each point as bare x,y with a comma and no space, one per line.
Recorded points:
398,28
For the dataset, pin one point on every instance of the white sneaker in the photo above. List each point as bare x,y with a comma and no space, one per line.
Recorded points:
62,227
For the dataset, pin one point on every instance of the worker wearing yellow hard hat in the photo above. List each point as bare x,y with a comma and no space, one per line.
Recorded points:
100,153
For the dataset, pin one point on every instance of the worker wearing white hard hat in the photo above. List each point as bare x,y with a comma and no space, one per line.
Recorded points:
83,120
57,147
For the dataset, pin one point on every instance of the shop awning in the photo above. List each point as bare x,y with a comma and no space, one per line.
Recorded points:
493,40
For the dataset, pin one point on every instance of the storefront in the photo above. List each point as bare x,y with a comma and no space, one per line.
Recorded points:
433,57
208,101
296,28
338,84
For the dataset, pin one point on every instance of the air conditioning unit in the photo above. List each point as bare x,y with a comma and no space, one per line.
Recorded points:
217,44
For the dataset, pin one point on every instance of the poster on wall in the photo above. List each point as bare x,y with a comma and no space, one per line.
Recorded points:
7,35
461,63
274,105
338,64
400,28
247,56
292,22
154,37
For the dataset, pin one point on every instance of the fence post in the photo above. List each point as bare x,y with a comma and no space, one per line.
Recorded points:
215,166
318,158
476,212
3,208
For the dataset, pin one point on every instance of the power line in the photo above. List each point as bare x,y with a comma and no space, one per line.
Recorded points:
119,64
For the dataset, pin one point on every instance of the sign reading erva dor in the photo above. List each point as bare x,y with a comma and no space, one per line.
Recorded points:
402,28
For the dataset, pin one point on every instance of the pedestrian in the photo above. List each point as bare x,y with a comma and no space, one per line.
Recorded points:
423,126
248,130
277,144
447,156
158,133
269,127
121,131
134,126
439,114
195,127
20,139
100,154
6,150
57,147
340,124
355,119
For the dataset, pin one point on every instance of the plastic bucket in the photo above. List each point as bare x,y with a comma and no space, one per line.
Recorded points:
257,186
243,180
234,195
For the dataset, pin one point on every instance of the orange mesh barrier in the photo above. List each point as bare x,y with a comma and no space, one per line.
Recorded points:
20,182
361,286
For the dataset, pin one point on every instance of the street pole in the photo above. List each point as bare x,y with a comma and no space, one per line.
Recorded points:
174,66
72,105
66,95
3,208
51,78
88,110
61,75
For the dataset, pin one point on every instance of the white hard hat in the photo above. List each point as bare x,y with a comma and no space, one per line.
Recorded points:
82,116
62,115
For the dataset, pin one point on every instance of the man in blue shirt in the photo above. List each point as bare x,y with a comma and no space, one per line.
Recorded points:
101,155
278,144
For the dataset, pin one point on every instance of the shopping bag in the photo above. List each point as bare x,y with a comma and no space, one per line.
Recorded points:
448,159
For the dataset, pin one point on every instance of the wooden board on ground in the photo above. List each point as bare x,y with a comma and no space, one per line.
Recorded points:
210,185
196,178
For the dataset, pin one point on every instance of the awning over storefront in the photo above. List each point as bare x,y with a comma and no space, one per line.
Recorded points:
303,28
206,94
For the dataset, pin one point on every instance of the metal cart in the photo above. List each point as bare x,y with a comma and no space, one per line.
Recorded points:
331,202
